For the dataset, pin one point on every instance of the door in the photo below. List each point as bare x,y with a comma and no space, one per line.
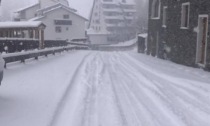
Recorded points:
202,39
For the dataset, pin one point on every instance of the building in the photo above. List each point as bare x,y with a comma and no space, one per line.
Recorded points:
24,30
111,21
62,22
179,31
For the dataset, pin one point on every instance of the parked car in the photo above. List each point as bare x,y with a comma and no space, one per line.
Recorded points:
1,68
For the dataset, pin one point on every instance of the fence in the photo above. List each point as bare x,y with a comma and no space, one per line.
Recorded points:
112,48
18,45
22,56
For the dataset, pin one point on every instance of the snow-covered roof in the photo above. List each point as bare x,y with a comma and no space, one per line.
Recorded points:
58,6
27,7
144,35
36,18
20,24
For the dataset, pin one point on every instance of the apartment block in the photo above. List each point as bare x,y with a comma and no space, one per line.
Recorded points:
112,21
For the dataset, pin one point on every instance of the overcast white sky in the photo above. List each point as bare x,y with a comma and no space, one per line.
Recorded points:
83,6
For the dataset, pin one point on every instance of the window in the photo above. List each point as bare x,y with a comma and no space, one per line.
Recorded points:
97,21
58,29
155,12
107,0
185,15
164,15
63,22
66,16
124,1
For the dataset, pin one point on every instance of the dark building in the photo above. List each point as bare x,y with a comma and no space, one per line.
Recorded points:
179,31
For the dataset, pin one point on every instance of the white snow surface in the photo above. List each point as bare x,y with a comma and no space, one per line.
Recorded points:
144,35
126,43
84,88
20,24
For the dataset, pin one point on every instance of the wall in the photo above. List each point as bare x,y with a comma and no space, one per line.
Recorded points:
180,42
97,9
154,26
98,39
30,13
76,30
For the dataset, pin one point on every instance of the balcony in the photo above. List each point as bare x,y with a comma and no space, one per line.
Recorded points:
111,10
109,2
118,17
130,10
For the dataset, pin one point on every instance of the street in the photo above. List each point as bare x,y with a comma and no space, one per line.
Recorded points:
90,88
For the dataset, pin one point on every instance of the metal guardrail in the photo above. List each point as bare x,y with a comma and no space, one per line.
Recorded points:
22,56
15,45
113,48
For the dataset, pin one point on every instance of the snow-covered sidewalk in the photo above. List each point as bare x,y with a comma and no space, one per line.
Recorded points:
30,92
105,89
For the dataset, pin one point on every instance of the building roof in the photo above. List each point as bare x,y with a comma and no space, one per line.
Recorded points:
21,24
59,6
144,35
56,5
27,7
36,18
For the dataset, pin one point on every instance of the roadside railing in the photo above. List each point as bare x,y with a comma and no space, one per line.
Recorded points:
23,56
14,45
113,48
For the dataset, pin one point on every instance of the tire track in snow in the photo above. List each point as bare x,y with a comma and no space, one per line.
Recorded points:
113,89
124,101
181,90
99,79
93,80
64,98
146,100
95,106
174,93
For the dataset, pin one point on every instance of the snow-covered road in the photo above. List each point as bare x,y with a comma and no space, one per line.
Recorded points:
105,89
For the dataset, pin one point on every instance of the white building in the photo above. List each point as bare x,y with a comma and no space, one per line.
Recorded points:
111,21
62,22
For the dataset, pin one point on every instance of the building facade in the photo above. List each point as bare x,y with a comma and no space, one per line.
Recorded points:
111,21
179,31
62,22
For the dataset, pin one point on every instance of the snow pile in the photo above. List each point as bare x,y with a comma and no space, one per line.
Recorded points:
126,43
